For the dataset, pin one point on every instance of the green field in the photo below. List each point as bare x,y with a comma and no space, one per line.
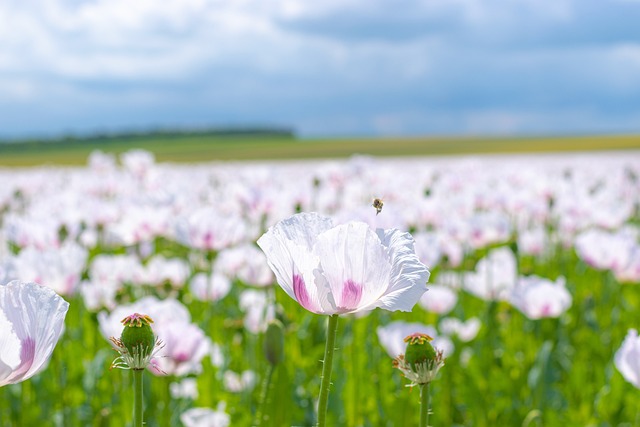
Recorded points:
210,148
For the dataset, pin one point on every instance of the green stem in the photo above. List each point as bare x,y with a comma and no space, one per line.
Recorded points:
424,405
137,397
326,370
264,394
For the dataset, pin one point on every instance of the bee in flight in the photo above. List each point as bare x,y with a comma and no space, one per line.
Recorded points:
377,204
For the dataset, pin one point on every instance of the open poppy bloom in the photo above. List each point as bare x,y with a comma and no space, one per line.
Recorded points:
31,322
346,268
627,358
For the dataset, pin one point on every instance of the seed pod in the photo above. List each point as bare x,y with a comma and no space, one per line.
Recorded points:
137,335
419,350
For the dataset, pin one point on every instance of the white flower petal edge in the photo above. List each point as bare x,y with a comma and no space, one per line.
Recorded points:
304,228
408,275
287,246
627,358
9,349
36,314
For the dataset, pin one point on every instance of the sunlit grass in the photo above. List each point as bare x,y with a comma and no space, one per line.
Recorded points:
203,148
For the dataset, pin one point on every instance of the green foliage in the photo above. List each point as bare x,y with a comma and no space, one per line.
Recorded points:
517,372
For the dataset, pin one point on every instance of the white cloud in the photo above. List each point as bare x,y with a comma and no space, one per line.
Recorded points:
348,65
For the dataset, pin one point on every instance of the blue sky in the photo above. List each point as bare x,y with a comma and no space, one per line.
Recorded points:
326,68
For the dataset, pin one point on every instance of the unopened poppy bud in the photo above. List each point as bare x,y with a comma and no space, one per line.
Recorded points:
274,342
419,349
137,335
421,361
137,344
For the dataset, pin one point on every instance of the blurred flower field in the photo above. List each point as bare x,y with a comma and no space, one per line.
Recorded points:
534,270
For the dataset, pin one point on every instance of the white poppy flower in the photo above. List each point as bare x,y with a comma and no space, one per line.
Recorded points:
537,297
344,269
440,299
495,275
205,417
627,358
31,322
210,287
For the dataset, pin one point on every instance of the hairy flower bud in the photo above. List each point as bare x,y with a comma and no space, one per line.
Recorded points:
137,344
421,362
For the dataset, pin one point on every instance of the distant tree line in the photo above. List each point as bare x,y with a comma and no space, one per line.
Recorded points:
115,137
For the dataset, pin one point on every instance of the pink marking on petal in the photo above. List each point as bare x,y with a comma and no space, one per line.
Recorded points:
27,355
181,357
351,295
69,284
300,291
546,310
208,240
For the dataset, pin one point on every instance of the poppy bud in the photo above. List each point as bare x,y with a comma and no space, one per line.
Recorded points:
137,343
137,335
274,342
419,349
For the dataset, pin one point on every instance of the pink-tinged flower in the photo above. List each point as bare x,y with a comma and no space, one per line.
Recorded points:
428,248
107,276
450,279
494,277
101,162
452,251
185,347
209,229
205,417
97,295
258,311
465,331
627,358
210,287
115,269
142,223
603,250
630,273
538,298
486,228
61,269
237,383
32,230
138,162
185,389
160,270
346,268
247,263
532,241
31,322
440,299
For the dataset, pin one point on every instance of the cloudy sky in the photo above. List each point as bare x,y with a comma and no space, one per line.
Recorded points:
325,67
